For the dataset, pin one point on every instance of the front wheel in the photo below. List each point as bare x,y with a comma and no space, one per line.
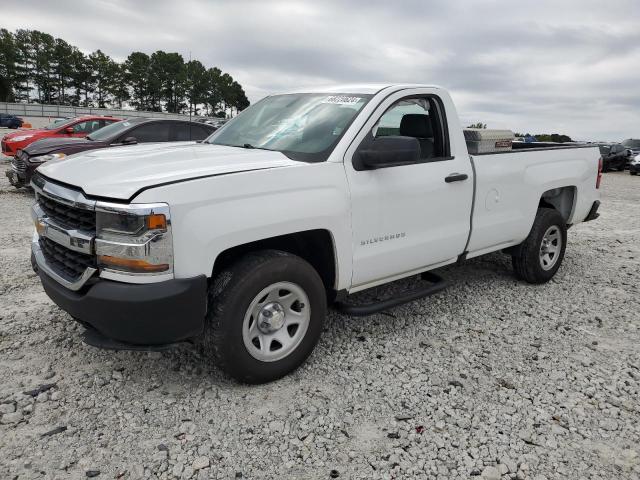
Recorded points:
265,316
538,258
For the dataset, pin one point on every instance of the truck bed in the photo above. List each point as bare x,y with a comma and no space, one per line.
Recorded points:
508,186
536,146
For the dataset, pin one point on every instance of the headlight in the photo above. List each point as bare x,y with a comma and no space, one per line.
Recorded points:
134,240
19,138
47,158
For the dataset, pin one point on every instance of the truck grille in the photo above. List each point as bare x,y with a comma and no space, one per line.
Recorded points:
67,262
68,217
18,164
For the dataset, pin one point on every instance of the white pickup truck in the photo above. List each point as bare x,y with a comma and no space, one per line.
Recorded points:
301,200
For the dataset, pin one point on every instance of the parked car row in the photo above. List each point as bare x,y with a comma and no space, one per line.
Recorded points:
32,148
614,157
76,127
620,156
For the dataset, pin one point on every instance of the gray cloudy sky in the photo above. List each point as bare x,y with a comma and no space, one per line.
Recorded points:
566,66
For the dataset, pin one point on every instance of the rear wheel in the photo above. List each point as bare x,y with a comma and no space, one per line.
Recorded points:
265,316
538,258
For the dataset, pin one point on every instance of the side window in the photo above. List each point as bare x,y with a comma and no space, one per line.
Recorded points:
81,127
389,123
420,118
151,132
94,125
200,132
87,127
181,132
103,123
186,131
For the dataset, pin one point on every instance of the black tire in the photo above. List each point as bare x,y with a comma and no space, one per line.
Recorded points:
633,173
526,256
230,295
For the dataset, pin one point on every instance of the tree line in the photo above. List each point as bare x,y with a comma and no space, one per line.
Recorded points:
546,137
36,67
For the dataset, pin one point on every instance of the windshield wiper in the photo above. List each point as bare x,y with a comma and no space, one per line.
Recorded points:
248,145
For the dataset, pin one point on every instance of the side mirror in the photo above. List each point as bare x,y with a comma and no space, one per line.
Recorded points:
68,130
390,151
130,141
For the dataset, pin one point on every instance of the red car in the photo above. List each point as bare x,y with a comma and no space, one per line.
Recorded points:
75,127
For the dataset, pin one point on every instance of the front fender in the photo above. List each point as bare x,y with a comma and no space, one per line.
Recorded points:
211,215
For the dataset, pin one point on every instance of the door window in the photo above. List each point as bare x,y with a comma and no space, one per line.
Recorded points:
182,131
103,123
81,127
200,133
187,131
87,126
151,132
416,117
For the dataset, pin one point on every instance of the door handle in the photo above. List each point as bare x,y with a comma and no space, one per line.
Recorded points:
456,177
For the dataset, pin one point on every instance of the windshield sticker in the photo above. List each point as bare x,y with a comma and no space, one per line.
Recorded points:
342,100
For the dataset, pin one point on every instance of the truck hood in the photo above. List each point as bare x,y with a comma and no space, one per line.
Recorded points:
120,173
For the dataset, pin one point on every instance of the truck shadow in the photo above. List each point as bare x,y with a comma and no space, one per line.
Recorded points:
189,367
477,271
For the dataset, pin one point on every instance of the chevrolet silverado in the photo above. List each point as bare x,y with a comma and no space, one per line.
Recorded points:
305,198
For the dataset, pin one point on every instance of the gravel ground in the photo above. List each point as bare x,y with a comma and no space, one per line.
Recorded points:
491,378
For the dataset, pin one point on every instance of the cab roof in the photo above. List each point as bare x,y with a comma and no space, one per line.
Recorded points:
364,88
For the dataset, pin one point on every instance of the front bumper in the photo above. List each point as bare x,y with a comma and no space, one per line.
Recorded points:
634,168
135,314
17,179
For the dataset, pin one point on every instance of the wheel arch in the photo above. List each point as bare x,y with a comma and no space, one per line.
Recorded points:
315,246
562,199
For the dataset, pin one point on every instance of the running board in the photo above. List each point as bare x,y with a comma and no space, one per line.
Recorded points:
436,284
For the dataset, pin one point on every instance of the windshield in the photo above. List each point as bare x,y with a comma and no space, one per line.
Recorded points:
303,126
58,123
631,143
604,149
110,131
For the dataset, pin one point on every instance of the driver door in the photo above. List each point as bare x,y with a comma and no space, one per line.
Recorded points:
408,218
